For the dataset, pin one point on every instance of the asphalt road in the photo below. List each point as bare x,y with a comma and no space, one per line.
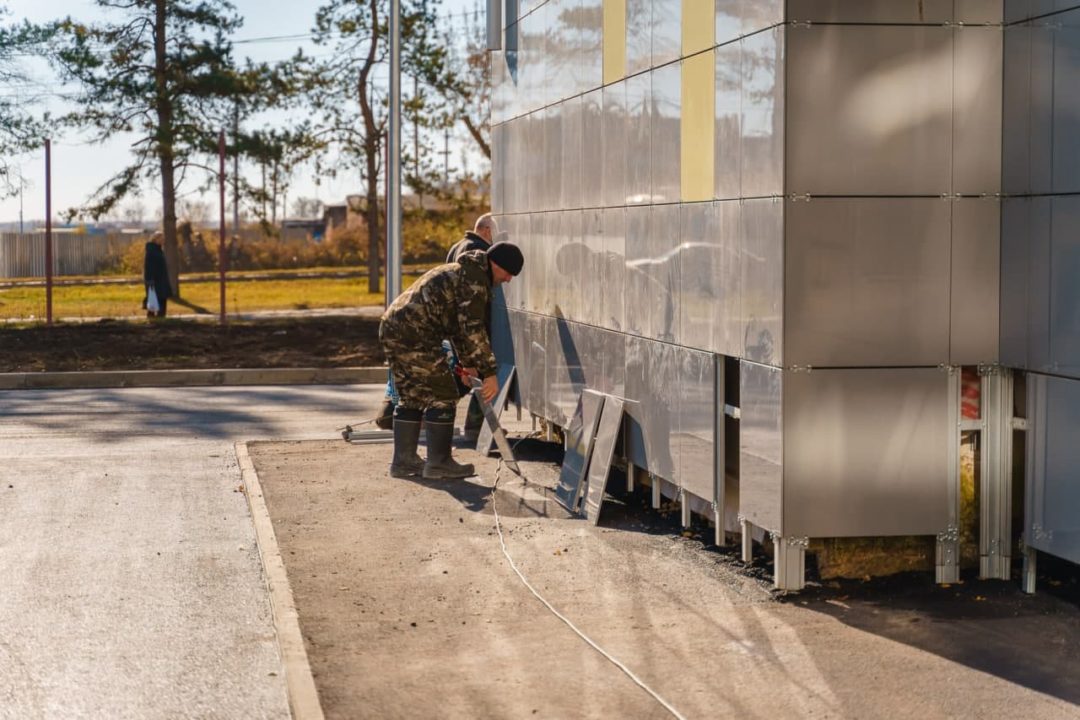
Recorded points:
130,582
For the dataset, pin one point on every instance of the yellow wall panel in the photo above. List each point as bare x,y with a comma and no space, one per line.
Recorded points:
698,126
698,26
614,40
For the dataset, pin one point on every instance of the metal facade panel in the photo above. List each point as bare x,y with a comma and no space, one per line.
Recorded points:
761,448
554,118
866,452
612,379
760,14
639,289
878,96
638,35
762,264
1015,224
567,270
1016,110
977,107
729,21
979,11
591,19
1066,138
636,389
498,163
1064,286
729,321
665,130
1038,284
695,444
638,148
536,382
570,189
662,269
867,282
1041,127
661,408
1053,523
566,378
976,281
762,120
592,156
502,336
537,168
728,143
614,144
699,276
589,256
612,268
871,11
666,31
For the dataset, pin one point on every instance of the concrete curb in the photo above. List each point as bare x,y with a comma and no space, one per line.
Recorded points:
299,682
176,378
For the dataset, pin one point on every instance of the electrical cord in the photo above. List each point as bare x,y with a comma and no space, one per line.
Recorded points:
513,566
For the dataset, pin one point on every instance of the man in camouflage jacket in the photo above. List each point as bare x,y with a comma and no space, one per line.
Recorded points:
448,302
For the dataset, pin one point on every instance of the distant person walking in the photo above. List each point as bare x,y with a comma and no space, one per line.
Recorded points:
156,277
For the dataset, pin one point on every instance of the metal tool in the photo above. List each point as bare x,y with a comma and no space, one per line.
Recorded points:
492,420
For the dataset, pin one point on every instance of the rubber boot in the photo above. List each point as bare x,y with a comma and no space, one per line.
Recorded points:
385,419
439,423
406,462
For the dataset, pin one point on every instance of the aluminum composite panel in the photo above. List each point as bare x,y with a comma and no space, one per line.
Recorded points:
761,450
1053,514
976,282
865,452
879,96
867,282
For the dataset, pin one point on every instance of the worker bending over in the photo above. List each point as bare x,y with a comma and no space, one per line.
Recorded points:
448,302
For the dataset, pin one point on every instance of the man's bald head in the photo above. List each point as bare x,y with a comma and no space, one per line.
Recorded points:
486,227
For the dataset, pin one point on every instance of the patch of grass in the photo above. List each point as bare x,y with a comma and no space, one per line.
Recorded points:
125,300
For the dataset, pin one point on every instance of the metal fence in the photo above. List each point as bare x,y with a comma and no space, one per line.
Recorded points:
23,254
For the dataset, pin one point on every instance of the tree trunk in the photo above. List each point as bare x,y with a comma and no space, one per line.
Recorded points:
371,155
164,110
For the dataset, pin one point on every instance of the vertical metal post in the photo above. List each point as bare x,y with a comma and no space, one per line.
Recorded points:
1034,502
684,508
747,540
48,232
995,475
221,240
947,551
236,171
656,497
629,476
393,200
719,452
494,24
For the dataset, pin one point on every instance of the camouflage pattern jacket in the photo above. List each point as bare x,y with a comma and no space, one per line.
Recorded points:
449,302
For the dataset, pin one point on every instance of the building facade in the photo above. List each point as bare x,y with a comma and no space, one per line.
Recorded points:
780,231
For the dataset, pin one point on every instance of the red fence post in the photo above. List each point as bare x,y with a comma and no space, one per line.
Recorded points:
221,243
48,232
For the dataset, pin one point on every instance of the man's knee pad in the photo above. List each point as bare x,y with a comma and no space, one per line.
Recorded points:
407,414
439,415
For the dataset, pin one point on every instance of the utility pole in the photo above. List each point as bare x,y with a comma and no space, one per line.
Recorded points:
236,171
393,200
416,137
22,184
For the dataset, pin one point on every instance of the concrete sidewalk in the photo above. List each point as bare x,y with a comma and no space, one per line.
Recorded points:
130,582
409,610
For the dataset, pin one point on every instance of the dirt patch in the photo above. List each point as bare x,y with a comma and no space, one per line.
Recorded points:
408,609
322,342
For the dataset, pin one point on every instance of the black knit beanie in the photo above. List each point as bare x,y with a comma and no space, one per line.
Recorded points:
507,256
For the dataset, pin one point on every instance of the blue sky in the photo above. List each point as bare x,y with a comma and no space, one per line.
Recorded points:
78,168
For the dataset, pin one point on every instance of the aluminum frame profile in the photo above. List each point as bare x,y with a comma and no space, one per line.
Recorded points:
947,548
995,475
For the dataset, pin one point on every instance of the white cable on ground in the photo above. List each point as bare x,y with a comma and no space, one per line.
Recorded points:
502,541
